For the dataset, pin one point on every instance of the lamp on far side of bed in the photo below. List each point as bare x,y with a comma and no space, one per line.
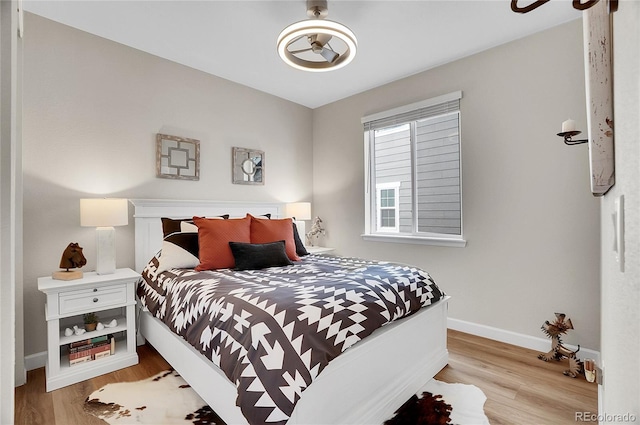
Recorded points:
104,214
299,211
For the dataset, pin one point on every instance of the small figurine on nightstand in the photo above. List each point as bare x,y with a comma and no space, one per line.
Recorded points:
72,258
316,229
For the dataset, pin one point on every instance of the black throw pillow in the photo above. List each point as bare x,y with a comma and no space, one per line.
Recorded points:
300,249
256,256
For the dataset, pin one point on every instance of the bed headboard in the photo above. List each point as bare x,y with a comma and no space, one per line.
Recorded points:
148,226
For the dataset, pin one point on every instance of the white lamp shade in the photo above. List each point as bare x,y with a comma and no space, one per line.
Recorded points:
103,212
299,210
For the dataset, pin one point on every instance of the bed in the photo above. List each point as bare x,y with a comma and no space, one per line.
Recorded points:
366,383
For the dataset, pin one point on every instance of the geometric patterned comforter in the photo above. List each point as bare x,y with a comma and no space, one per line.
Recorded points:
273,331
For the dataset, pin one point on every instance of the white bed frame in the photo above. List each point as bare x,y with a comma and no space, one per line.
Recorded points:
366,384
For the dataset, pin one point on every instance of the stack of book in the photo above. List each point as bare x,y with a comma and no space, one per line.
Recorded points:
91,349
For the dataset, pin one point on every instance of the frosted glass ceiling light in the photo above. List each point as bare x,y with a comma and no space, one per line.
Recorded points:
317,44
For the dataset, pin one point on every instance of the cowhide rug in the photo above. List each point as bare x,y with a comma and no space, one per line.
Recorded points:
442,403
167,399
164,399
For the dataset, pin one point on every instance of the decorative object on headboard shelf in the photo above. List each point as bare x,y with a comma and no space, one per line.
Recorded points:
72,258
248,166
316,230
177,157
577,4
103,214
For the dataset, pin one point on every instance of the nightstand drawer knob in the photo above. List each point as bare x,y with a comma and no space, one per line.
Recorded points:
95,300
95,289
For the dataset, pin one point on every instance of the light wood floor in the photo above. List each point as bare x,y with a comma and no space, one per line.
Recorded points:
520,389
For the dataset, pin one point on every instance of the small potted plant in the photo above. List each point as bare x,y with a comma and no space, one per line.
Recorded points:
90,321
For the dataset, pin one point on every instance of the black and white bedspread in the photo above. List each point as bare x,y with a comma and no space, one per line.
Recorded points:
273,331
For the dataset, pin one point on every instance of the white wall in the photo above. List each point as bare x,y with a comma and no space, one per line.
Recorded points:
621,289
530,220
92,109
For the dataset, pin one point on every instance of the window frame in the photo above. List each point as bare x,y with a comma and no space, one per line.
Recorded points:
372,232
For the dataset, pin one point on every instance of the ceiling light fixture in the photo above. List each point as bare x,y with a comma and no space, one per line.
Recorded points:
317,44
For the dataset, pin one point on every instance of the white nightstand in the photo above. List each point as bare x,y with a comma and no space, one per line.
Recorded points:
318,249
111,296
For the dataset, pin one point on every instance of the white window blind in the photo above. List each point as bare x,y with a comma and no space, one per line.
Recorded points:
425,112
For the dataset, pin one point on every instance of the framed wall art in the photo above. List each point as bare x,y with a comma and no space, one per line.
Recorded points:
247,166
177,157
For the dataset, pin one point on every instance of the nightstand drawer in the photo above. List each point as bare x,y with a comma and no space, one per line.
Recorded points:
92,299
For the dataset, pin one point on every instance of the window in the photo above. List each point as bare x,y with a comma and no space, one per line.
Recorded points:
387,206
413,173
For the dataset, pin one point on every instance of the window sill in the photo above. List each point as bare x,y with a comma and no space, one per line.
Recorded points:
419,240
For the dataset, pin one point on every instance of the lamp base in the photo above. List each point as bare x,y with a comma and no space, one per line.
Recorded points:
105,250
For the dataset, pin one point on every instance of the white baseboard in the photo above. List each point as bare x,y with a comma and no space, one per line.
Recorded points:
514,338
35,361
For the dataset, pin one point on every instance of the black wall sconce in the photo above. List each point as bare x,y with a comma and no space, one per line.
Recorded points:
569,131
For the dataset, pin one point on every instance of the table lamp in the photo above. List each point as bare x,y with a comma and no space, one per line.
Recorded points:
299,211
104,214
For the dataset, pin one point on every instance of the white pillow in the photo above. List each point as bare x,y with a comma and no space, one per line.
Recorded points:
186,227
174,256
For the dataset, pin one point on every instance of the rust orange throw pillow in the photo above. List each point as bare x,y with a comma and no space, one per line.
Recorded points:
214,237
265,231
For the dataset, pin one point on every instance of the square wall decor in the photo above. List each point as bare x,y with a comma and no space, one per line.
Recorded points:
177,157
248,166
